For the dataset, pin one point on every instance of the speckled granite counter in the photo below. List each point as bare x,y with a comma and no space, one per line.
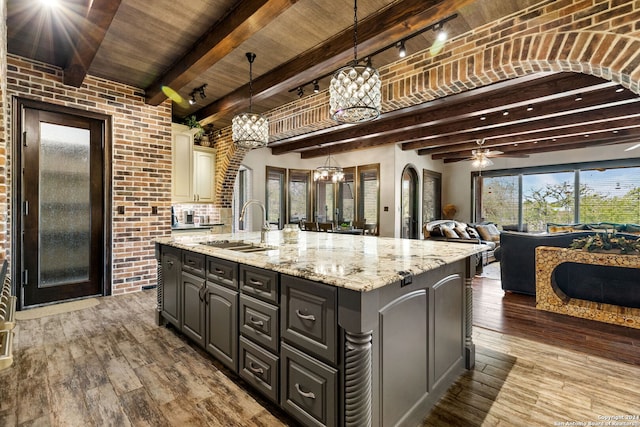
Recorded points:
348,331
361,263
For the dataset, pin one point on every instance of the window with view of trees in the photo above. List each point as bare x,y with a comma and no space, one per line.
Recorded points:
275,189
299,195
607,192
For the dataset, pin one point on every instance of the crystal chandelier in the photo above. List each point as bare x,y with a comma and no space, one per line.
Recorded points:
250,130
327,172
354,91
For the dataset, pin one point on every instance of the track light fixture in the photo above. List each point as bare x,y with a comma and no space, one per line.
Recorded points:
300,92
529,107
441,34
316,86
199,90
578,97
402,50
619,88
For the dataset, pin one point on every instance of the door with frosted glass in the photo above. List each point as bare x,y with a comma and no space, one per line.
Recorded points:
62,247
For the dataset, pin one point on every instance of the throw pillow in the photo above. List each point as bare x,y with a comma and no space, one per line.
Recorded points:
488,232
436,231
461,232
473,233
449,233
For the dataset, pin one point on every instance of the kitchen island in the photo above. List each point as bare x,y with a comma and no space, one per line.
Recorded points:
335,329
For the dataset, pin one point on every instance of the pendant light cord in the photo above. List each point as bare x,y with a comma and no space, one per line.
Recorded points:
355,32
251,56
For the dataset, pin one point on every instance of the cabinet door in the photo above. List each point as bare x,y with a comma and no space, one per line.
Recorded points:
222,324
182,164
193,293
171,277
203,170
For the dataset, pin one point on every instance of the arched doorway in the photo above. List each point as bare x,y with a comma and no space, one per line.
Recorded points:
409,203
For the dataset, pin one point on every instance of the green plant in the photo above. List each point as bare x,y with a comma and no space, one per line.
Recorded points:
605,242
193,123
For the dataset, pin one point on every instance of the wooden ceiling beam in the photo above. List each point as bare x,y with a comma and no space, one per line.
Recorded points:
97,22
242,22
468,104
601,116
374,32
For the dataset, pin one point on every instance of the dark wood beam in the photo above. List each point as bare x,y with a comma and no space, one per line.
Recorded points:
549,147
374,32
95,27
579,129
242,22
595,116
531,89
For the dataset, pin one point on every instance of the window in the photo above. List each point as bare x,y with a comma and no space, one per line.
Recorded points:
368,193
275,196
347,197
299,195
606,191
325,201
431,195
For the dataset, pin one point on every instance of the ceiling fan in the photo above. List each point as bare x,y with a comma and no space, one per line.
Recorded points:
481,157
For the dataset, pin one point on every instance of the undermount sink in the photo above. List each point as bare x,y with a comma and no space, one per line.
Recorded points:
238,245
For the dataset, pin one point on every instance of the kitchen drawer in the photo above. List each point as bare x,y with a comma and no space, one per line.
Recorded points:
308,388
193,263
222,272
259,283
259,321
259,368
309,316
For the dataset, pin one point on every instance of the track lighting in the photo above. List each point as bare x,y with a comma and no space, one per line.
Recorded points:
578,97
529,107
316,86
619,88
300,92
441,34
402,51
199,90
505,113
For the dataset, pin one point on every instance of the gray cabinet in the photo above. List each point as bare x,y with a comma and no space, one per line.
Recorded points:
259,368
309,316
260,283
259,321
193,314
221,305
171,284
308,388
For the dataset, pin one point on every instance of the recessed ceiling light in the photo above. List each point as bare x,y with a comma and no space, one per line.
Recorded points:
579,97
529,107
587,135
615,131
619,88
483,117
505,113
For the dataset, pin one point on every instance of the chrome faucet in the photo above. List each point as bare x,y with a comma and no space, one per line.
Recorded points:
265,224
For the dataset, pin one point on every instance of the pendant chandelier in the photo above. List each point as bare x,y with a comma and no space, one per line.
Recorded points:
328,172
250,130
354,92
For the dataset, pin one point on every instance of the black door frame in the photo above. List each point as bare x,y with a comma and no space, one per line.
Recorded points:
17,118
414,202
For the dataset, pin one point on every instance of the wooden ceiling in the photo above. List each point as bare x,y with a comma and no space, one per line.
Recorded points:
167,44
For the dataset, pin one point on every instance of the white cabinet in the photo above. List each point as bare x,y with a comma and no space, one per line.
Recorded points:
193,168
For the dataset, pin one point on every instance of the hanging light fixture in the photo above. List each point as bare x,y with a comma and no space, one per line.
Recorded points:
328,172
354,92
250,130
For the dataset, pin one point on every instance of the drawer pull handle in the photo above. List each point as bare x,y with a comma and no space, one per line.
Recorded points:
305,316
217,270
170,263
307,394
256,282
255,370
256,322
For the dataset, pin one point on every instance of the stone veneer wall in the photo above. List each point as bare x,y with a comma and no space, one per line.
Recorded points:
141,161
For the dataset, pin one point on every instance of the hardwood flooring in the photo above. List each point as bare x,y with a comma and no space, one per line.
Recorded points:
109,365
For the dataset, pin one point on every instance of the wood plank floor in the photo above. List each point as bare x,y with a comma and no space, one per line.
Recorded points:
110,365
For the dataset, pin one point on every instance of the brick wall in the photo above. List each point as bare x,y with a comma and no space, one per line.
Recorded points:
141,168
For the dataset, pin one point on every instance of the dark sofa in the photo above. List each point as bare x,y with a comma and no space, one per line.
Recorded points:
516,254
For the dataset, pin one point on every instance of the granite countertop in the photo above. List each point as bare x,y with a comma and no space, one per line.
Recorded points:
194,226
360,263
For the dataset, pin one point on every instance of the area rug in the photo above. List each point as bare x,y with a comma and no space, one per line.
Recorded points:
491,271
50,310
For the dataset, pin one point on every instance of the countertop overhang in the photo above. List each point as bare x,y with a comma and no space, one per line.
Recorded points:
360,263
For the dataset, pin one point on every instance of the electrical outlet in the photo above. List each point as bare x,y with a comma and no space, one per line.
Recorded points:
154,210
121,210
